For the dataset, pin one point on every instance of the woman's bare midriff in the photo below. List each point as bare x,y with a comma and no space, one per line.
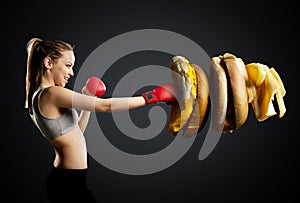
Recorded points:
70,150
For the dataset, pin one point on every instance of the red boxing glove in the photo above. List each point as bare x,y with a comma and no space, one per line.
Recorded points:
95,86
164,93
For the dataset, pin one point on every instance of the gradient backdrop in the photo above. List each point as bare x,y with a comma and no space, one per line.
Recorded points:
256,163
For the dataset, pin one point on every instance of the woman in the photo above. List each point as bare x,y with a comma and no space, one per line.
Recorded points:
53,109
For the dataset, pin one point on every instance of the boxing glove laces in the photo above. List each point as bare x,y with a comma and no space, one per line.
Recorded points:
164,93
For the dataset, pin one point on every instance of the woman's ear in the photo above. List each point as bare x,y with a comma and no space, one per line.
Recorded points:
47,63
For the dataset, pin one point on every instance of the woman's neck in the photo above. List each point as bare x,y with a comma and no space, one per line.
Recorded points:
46,82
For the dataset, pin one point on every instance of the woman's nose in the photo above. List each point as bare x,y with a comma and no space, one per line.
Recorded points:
71,73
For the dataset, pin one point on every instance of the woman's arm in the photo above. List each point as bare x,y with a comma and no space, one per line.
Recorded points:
84,115
65,98
83,120
119,103
113,104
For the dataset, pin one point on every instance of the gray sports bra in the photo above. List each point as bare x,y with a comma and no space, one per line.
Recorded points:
53,127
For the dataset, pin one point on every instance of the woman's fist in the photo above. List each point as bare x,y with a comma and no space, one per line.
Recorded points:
165,93
94,87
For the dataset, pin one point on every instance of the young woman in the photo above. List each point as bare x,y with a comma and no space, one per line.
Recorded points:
53,109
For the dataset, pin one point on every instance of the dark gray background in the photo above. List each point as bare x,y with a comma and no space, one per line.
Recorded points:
255,163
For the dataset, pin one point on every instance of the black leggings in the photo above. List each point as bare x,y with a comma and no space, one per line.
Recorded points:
68,185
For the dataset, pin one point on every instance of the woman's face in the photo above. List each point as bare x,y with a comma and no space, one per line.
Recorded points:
62,68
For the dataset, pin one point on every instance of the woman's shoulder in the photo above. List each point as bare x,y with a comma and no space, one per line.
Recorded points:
56,90
54,93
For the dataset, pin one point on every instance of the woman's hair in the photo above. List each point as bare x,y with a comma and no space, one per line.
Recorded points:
37,50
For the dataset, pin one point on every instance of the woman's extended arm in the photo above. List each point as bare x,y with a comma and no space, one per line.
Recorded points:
119,103
65,98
